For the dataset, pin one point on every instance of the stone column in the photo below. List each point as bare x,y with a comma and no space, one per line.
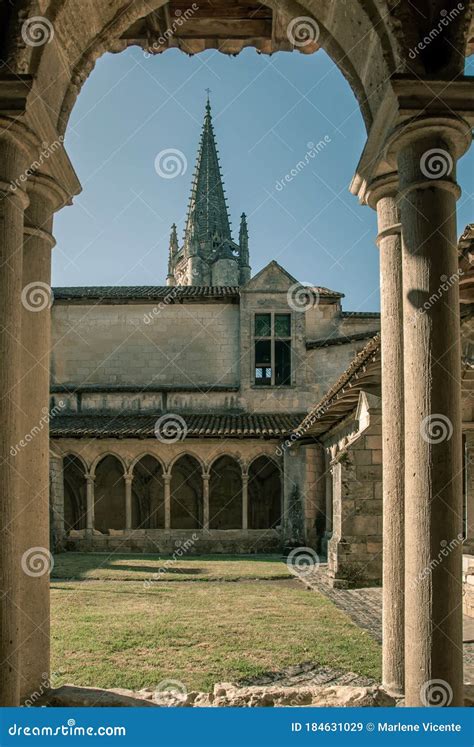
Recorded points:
13,202
90,479
427,150
128,501
245,500
383,197
205,498
167,490
34,529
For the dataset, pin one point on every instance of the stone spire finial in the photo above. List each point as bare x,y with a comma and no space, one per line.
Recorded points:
173,251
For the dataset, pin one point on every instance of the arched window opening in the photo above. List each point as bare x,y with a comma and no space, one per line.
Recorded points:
75,492
148,500
109,497
264,494
186,494
225,494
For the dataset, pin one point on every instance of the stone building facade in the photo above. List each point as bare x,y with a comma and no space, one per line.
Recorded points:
171,402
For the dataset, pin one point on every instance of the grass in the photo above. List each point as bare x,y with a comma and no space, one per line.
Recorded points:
106,566
115,633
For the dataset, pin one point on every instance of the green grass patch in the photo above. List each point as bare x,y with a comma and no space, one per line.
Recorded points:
106,566
116,634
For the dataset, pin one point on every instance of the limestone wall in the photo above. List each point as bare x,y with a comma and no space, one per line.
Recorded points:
179,344
355,547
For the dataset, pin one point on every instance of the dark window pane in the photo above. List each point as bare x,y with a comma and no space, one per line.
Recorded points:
263,352
282,363
263,325
282,325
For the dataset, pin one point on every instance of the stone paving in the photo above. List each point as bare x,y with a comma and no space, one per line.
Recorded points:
364,607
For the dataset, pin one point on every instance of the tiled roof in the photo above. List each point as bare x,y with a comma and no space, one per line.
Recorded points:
362,373
249,425
173,294
329,341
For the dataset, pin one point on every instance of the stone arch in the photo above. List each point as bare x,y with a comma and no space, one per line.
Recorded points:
225,493
109,493
187,496
148,498
75,492
264,493
97,460
338,29
191,454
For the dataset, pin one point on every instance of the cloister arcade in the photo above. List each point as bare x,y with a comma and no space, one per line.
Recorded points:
145,493
414,100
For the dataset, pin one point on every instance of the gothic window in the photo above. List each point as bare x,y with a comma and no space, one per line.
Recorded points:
272,334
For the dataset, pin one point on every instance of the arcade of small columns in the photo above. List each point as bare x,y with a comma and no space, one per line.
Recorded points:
422,623
116,493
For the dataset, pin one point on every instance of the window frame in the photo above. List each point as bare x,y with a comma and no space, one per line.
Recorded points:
272,338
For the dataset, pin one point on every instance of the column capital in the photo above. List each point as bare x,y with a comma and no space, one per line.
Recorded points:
47,188
454,130
382,186
128,477
89,477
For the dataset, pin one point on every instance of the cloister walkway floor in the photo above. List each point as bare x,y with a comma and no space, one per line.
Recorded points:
364,607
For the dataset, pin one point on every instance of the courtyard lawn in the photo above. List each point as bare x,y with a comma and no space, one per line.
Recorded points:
116,633
105,566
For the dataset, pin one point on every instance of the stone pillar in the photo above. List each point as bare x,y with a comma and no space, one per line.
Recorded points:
205,498
128,501
34,529
167,490
383,197
427,150
57,497
245,500
90,479
13,202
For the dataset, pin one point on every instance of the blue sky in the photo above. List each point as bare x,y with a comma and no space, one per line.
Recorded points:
266,111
